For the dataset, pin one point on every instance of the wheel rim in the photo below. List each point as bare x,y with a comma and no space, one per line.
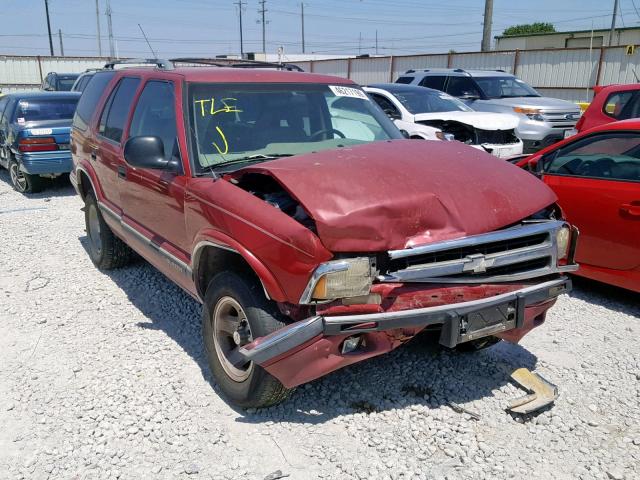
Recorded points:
18,178
230,331
94,230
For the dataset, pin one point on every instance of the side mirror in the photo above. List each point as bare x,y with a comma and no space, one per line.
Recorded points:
469,96
392,114
146,152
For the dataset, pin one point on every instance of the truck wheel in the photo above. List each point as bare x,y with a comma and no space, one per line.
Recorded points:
23,182
105,249
235,313
478,344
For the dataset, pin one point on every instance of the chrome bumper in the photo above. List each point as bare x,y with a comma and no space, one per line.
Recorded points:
452,317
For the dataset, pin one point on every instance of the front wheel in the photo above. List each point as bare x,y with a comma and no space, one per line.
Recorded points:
23,182
235,313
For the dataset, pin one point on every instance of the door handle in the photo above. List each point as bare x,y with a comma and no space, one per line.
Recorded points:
122,171
631,208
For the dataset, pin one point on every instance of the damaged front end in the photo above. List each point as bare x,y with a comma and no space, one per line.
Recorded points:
471,135
355,307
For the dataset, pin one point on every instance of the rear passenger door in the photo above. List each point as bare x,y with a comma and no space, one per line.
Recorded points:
108,154
154,199
4,159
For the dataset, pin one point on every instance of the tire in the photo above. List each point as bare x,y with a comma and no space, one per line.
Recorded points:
250,386
477,345
23,182
105,249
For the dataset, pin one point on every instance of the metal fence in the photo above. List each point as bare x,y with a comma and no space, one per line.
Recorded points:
567,73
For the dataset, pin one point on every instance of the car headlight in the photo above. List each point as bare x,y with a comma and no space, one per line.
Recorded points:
532,113
563,239
447,137
349,277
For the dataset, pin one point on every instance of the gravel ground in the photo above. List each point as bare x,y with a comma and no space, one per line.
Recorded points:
104,376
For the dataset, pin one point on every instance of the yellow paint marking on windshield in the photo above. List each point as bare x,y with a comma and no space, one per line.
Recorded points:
227,107
224,139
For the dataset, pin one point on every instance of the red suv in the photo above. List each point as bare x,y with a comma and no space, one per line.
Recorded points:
313,233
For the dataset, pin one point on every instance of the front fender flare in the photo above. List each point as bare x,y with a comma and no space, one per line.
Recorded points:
217,239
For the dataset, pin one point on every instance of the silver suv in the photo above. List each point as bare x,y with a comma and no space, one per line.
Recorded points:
543,120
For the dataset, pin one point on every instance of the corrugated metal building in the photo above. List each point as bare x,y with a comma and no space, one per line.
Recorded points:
572,39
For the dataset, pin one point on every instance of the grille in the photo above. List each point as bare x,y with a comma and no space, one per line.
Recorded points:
498,137
521,252
560,120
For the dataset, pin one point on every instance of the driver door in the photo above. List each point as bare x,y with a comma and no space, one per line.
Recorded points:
597,180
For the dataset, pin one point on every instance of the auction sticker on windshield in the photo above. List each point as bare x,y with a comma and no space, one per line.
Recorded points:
348,92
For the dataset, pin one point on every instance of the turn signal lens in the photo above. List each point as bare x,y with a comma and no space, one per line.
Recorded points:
353,281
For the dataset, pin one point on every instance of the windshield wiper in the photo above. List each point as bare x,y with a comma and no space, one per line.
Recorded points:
252,159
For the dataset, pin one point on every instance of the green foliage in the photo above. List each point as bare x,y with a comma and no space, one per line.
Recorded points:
529,28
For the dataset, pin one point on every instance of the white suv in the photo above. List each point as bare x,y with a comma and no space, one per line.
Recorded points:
543,120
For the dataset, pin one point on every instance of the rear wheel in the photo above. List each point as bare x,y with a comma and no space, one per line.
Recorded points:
23,182
105,249
235,313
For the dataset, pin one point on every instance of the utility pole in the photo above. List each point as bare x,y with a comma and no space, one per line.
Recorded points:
359,43
240,4
46,7
98,27
376,42
613,22
110,29
264,24
61,46
486,29
302,19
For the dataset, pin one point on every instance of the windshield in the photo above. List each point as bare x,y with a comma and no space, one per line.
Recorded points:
232,123
429,101
33,110
505,87
65,83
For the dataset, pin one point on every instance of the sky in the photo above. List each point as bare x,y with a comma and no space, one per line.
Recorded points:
205,28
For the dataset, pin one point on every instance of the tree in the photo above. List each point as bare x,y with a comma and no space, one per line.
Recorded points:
529,28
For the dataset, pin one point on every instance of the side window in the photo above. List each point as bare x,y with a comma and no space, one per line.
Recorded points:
6,116
155,115
386,105
623,105
434,81
90,98
462,87
3,104
611,156
117,109
405,80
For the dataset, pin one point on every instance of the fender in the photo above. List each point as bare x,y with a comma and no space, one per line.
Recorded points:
91,175
215,238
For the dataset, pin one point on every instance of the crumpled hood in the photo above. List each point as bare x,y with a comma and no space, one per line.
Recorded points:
397,193
481,120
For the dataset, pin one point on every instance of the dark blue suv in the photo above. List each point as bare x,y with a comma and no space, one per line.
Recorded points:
34,136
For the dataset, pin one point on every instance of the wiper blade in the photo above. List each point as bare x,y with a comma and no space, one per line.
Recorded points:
252,159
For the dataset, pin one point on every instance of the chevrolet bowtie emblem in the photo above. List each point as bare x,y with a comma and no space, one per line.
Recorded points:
477,263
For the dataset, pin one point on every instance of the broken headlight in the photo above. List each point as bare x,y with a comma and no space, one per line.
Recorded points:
349,277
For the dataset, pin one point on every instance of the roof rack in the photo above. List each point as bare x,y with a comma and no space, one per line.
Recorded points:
237,63
158,62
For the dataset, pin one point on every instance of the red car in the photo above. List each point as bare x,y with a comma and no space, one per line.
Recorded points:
596,175
314,234
611,104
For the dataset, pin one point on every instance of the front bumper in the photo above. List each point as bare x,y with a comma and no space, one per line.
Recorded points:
532,146
46,163
501,150
315,342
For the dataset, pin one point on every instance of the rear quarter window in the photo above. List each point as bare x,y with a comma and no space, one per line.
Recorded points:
405,80
90,98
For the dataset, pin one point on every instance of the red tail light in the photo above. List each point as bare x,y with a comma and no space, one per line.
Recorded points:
37,144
